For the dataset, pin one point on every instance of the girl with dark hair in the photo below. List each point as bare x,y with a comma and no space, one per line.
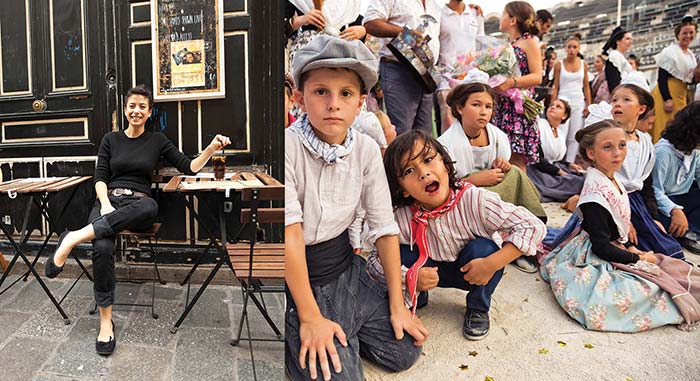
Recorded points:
448,229
615,48
571,83
480,150
676,64
677,175
555,178
125,161
630,103
518,22
599,278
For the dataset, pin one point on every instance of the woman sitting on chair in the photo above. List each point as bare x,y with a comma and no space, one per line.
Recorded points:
122,180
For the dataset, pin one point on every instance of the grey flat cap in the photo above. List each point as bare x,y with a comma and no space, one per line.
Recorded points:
333,52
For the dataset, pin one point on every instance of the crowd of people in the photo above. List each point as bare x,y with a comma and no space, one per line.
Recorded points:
444,188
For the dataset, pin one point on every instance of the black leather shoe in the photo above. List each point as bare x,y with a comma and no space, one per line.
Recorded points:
689,244
476,325
50,268
106,348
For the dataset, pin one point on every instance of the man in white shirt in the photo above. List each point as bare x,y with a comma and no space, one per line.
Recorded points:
407,103
459,26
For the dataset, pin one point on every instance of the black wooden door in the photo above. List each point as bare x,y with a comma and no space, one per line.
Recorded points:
52,85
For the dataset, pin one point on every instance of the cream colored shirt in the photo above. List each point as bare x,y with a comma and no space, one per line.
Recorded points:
324,197
406,12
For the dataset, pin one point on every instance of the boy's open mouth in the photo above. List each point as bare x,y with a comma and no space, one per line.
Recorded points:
432,187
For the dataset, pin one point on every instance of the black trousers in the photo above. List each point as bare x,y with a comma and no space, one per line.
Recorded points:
131,212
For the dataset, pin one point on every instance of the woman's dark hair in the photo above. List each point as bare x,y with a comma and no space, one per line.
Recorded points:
586,136
617,35
683,132
460,94
567,108
543,16
643,96
524,15
685,22
139,90
395,163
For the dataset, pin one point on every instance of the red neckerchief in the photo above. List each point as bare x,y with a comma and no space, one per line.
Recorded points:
419,229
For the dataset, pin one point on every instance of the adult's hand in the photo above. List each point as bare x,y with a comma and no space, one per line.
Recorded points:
486,178
679,223
356,32
317,341
219,141
668,106
502,164
315,17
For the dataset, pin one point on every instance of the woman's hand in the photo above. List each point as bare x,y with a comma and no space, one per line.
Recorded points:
561,173
356,32
509,83
317,340
660,225
106,208
219,142
486,178
502,164
575,167
648,256
679,223
315,17
586,112
668,106
571,203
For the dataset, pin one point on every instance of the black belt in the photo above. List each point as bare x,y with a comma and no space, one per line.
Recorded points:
118,192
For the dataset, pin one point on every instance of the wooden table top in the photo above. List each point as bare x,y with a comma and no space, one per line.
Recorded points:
41,184
235,181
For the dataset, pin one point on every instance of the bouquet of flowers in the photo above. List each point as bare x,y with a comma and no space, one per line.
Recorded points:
496,58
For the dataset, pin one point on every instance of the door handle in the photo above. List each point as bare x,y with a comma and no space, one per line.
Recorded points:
39,105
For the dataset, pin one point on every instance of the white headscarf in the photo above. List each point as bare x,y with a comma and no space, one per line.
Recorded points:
599,189
676,62
553,148
338,13
638,163
636,77
598,112
460,150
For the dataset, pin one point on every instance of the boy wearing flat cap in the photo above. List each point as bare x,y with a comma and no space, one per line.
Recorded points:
335,311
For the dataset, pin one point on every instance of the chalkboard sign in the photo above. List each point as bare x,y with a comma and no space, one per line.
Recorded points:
188,50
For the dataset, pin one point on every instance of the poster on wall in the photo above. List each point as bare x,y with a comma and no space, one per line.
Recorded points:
188,50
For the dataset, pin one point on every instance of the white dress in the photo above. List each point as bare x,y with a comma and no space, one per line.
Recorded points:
571,90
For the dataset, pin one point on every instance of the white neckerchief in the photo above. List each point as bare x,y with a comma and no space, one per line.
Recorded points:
553,148
620,62
457,144
338,13
331,154
676,62
599,189
636,168
686,159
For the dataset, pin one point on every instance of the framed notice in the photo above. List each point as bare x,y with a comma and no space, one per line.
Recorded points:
188,49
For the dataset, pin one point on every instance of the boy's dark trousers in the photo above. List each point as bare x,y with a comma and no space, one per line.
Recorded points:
359,304
478,297
131,212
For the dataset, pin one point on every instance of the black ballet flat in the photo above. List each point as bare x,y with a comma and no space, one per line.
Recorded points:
106,348
50,268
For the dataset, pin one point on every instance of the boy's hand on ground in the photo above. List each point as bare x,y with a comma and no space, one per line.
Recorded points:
317,340
427,278
478,271
107,208
402,320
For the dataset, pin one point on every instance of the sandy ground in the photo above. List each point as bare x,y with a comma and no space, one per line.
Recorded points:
532,338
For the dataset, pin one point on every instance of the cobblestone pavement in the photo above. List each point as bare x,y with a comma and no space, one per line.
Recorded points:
35,343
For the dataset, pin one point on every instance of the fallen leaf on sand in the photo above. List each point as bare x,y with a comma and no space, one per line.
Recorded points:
543,351
505,330
525,300
473,353
464,367
488,378
561,343
588,346
537,279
